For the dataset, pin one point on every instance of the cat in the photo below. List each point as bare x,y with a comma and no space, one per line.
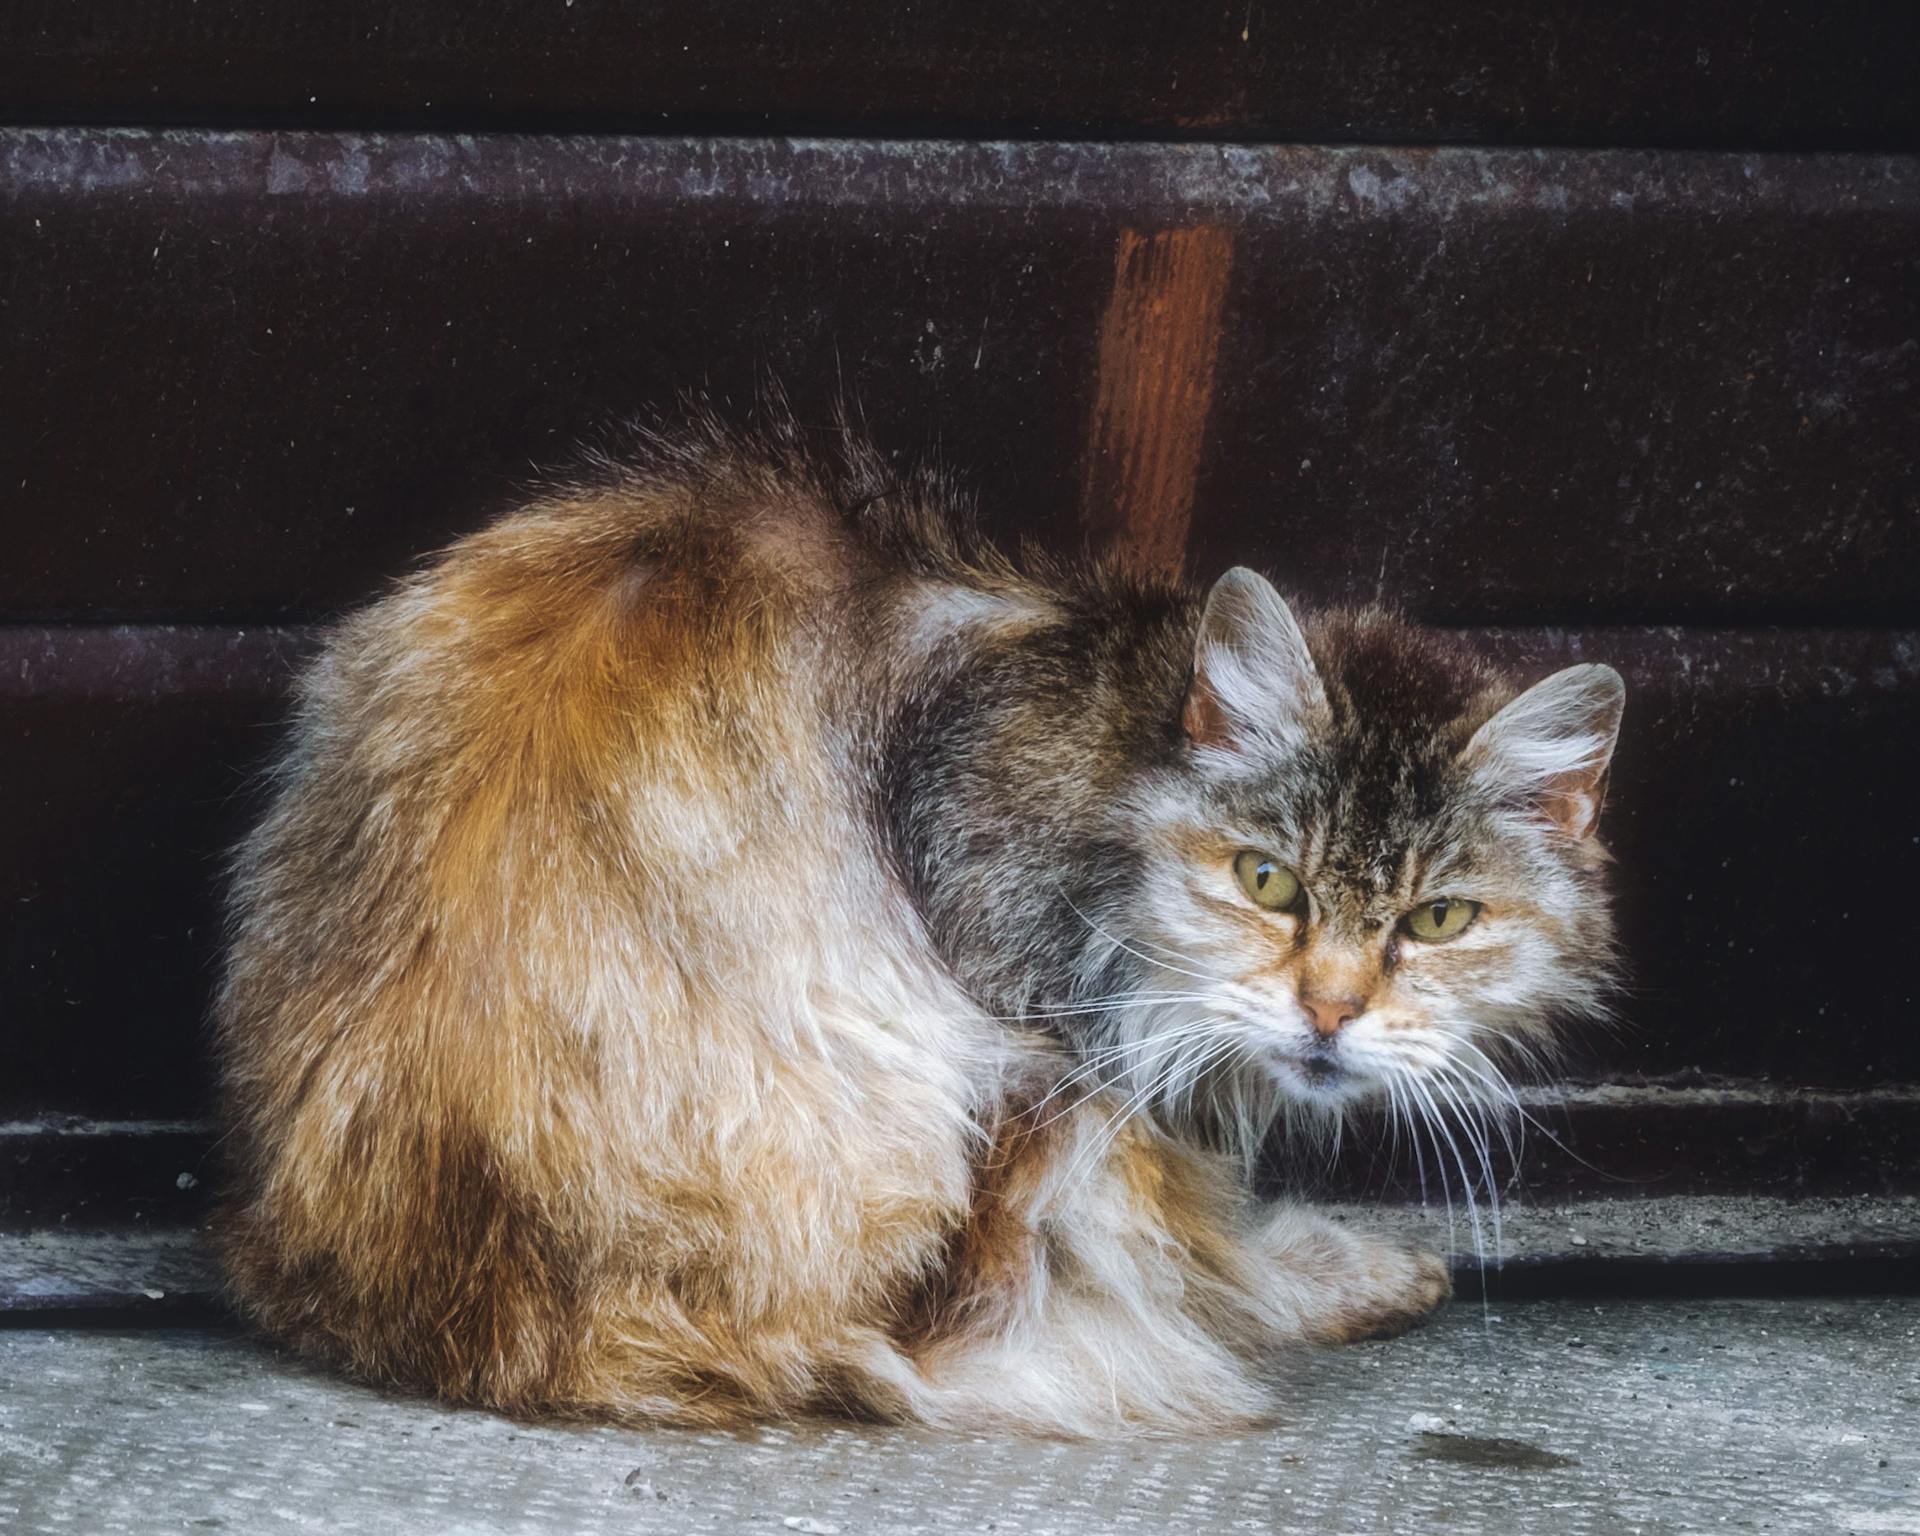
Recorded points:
727,942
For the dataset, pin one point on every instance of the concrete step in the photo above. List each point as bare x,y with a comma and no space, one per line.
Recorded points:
1557,1418
1692,1245
1597,1142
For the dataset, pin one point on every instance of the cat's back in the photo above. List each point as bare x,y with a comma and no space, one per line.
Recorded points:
645,582
590,696
567,869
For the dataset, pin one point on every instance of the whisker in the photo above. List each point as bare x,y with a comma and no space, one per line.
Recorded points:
1475,1130
1117,1002
1121,944
1529,1118
1418,1101
1438,1121
1404,1109
1500,1098
1108,1133
1130,1051
1393,1124
1102,1139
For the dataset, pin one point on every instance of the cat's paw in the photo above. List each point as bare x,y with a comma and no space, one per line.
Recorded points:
1399,1288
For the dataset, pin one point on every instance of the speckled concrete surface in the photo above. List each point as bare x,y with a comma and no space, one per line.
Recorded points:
1552,1417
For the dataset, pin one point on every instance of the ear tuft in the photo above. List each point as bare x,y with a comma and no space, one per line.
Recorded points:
1552,746
1254,682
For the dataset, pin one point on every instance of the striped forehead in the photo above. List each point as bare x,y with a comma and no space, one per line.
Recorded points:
1371,832
1361,884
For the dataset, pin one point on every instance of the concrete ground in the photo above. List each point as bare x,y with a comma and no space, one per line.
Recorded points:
1554,1417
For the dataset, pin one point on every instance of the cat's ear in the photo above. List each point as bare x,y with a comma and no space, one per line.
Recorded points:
1551,746
1254,683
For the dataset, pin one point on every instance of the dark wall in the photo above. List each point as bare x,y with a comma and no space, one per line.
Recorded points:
1653,405
1789,74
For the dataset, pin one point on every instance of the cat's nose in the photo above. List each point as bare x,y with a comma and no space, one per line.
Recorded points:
1331,1014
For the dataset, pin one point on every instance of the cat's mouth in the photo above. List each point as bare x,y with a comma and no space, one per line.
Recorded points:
1321,1072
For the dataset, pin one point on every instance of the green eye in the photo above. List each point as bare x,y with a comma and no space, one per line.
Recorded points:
1446,918
1270,885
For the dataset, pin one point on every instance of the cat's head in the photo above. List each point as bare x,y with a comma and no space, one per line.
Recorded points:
1373,869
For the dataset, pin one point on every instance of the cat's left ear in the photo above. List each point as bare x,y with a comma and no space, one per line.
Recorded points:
1254,682
1551,746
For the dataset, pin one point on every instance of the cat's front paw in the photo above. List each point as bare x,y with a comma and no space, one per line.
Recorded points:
1403,1286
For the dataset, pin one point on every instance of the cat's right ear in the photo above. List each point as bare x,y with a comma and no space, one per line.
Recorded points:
1255,687
1551,747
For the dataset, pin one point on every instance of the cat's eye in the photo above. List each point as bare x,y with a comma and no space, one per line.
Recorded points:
1446,918
1267,883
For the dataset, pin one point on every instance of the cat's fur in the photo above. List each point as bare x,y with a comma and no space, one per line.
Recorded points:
726,943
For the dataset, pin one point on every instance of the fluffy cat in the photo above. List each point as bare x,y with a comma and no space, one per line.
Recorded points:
726,943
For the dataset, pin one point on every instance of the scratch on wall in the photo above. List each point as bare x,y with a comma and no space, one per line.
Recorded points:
1159,343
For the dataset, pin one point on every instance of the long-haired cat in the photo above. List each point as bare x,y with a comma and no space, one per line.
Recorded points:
727,943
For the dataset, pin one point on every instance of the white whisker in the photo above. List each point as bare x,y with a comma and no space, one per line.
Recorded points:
1121,944
1117,1002
1438,1122
1091,1156
1128,1051
1474,1129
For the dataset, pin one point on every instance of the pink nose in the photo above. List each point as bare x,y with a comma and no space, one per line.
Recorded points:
1329,1014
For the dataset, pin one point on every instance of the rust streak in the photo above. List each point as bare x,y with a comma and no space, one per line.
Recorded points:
1159,342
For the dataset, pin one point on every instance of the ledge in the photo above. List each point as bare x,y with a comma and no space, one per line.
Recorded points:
1700,1245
